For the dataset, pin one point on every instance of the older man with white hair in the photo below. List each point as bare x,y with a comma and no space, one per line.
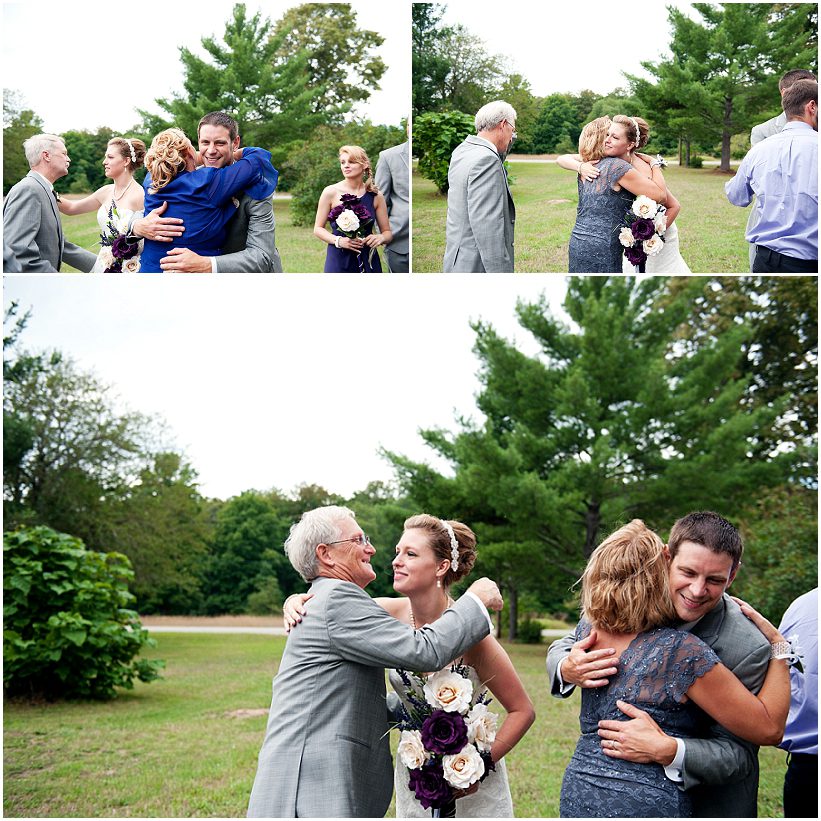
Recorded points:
326,750
481,214
33,240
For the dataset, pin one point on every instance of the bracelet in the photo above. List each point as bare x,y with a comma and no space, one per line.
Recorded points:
789,651
336,242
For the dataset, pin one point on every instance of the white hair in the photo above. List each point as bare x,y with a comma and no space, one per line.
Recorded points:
316,527
35,146
491,114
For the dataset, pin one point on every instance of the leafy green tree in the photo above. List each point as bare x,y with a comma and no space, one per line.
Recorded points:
19,124
430,65
559,124
273,99
516,91
435,137
340,55
314,164
68,630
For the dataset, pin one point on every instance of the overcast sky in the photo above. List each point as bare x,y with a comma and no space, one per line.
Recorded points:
92,63
274,381
564,47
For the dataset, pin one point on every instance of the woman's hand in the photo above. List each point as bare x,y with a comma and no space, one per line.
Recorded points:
351,243
770,632
374,240
294,609
588,170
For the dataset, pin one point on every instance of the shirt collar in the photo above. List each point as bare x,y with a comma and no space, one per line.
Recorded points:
488,143
793,125
48,183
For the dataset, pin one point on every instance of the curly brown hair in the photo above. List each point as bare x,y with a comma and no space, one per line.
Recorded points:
167,157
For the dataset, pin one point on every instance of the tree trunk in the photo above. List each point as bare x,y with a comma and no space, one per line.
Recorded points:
680,152
499,624
592,522
687,152
725,135
513,613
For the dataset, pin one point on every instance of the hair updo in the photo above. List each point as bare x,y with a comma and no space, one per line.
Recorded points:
357,154
642,138
122,145
439,542
167,157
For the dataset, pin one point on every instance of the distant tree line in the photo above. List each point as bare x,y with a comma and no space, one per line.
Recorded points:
666,395
721,79
291,86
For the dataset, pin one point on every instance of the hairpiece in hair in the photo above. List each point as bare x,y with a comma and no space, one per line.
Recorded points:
131,149
454,546
636,126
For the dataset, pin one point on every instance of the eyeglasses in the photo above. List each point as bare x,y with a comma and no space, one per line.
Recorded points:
513,128
360,540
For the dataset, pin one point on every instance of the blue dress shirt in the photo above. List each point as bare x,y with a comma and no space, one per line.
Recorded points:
782,172
801,735
203,200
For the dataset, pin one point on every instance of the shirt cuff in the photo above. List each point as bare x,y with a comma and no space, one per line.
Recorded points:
214,265
484,609
564,689
674,769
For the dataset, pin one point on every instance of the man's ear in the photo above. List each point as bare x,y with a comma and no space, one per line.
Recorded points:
732,574
323,555
666,551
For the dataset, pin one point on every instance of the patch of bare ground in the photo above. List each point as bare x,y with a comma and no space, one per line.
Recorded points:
214,621
247,713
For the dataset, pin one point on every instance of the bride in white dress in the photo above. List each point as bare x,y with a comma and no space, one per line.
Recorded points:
669,259
423,573
115,203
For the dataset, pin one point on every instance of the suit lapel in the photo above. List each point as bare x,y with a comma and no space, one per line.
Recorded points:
55,212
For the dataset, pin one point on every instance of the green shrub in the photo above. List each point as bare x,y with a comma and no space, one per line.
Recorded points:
530,631
266,599
696,162
435,136
68,632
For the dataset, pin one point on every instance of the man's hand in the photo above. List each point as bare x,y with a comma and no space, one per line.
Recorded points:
156,227
588,668
640,739
181,259
488,593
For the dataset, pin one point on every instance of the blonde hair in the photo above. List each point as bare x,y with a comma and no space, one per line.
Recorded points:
642,137
439,543
357,154
625,586
167,157
591,140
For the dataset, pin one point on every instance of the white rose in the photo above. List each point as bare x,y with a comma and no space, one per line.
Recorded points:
653,245
464,768
121,223
645,207
660,223
411,751
482,727
347,221
449,692
106,257
626,237
131,266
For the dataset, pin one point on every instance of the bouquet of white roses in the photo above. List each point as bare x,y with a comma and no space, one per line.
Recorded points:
446,736
119,253
647,223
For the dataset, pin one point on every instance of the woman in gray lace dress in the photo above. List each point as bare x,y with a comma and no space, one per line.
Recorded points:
603,201
663,671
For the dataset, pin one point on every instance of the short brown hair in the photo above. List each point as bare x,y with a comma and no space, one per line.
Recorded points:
797,96
439,543
625,586
709,530
793,75
222,119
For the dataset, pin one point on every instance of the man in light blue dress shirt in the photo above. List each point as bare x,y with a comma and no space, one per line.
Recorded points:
801,735
782,173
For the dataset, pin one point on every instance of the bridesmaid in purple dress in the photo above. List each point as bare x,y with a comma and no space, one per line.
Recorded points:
353,207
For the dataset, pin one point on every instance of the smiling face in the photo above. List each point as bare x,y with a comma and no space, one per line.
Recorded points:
216,147
616,144
698,579
351,559
415,566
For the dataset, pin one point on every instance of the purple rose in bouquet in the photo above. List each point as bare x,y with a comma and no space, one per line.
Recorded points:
643,228
121,248
635,255
429,785
444,733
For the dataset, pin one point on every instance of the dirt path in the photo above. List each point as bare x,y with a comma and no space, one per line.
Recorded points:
211,621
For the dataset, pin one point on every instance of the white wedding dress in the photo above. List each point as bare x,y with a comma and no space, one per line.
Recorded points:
666,261
104,257
492,800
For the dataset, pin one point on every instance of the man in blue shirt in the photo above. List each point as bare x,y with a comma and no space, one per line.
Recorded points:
801,735
782,172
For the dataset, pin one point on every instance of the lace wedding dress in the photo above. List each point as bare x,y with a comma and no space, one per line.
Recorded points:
108,226
492,800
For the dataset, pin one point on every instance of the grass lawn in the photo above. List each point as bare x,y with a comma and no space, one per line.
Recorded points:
184,747
711,231
300,250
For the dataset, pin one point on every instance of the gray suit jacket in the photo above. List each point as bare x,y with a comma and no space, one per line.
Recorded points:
481,213
721,771
393,181
250,244
326,750
33,233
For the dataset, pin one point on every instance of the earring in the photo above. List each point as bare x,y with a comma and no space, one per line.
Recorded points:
438,582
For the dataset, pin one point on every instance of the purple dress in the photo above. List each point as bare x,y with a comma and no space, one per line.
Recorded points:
343,261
